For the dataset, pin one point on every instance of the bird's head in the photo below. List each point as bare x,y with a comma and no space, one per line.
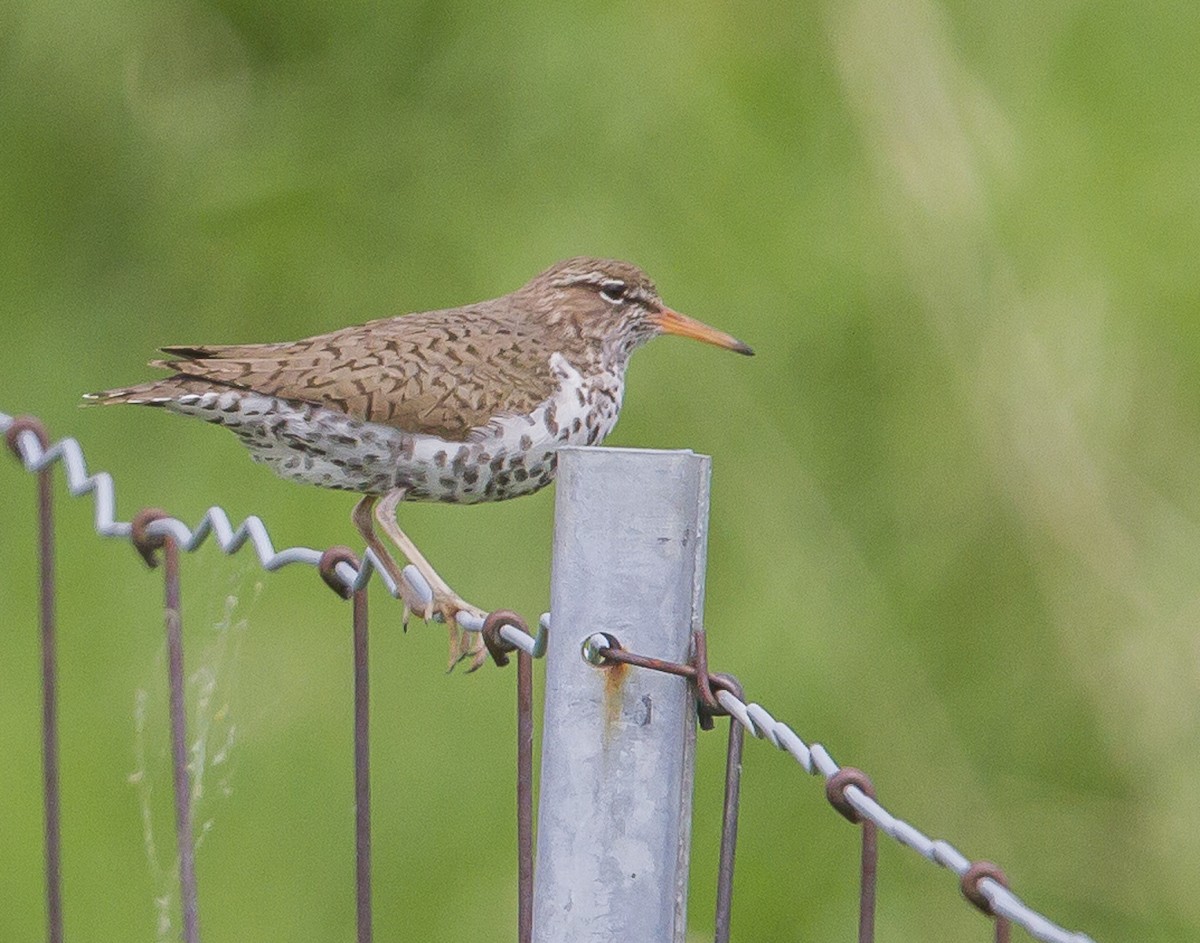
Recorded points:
612,307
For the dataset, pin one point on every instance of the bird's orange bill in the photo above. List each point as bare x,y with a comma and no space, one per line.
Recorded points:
672,322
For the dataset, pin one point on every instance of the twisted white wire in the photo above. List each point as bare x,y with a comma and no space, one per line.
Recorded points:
756,719
230,539
815,759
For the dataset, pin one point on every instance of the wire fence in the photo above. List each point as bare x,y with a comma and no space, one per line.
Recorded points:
160,538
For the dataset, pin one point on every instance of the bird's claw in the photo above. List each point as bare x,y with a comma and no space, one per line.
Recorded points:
463,644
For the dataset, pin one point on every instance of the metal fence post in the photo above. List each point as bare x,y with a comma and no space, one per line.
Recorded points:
615,801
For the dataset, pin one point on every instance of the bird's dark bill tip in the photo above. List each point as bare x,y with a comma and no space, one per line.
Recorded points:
672,322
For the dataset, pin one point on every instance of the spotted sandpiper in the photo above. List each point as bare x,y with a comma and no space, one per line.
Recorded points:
461,405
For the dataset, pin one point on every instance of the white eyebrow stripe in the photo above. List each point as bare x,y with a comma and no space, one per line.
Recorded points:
633,292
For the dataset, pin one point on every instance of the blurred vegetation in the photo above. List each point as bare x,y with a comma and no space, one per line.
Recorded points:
956,510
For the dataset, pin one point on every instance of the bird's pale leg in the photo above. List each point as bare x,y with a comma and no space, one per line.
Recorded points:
361,516
445,600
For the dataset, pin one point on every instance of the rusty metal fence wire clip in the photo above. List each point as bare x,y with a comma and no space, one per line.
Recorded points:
150,541
972,888
500,643
708,708
835,791
729,811
51,797
327,567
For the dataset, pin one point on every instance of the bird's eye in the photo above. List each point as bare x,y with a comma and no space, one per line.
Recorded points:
613,291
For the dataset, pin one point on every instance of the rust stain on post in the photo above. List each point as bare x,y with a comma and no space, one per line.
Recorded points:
614,685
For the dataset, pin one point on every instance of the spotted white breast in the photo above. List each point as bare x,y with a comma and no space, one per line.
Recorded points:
509,456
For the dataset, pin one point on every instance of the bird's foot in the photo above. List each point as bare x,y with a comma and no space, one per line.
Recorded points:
463,644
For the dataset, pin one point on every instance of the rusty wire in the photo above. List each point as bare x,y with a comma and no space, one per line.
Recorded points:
362,739
835,792
709,707
51,798
524,797
499,648
982,883
729,811
149,545
362,769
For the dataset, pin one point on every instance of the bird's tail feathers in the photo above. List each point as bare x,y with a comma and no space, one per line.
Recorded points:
154,393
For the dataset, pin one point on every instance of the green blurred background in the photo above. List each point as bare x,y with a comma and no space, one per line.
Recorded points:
955,499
